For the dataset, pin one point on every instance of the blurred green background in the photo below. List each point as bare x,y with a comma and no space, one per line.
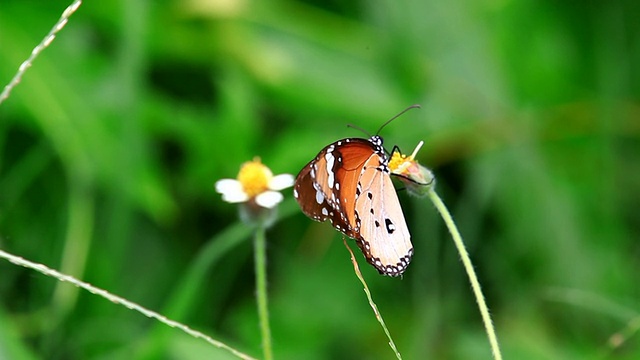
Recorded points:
111,144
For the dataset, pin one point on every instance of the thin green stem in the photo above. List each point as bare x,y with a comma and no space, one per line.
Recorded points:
119,300
475,285
261,290
180,304
38,49
373,305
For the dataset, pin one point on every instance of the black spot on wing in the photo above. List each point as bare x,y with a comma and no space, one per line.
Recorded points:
390,226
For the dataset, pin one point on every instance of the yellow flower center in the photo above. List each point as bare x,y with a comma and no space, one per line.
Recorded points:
254,177
397,159
400,164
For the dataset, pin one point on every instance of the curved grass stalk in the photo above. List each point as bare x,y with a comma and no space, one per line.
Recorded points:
373,305
120,301
38,49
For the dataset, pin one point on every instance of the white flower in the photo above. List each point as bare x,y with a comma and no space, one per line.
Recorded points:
255,184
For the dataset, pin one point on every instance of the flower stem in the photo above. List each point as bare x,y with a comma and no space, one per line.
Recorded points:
475,285
373,305
261,290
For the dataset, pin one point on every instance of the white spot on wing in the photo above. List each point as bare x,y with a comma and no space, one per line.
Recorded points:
330,162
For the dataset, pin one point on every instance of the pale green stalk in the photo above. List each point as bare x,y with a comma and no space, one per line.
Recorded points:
120,301
38,49
261,289
475,285
373,305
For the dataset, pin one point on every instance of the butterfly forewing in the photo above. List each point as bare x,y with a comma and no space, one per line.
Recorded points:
384,236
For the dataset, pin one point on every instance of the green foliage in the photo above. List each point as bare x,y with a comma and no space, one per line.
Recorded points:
111,144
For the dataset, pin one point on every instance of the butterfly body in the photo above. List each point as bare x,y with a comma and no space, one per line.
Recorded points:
349,184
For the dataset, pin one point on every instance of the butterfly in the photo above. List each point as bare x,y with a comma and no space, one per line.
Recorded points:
349,184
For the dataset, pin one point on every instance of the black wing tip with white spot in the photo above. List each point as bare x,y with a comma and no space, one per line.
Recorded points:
393,270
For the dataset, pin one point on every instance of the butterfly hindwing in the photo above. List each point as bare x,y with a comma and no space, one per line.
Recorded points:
333,174
313,202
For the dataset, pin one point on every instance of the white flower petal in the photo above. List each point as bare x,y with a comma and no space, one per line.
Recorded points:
269,199
231,191
234,197
228,185
280,182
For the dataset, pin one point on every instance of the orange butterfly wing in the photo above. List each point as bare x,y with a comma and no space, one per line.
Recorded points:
349,184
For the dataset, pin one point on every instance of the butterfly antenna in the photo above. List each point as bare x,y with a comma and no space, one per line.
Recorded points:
415,106
359,128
